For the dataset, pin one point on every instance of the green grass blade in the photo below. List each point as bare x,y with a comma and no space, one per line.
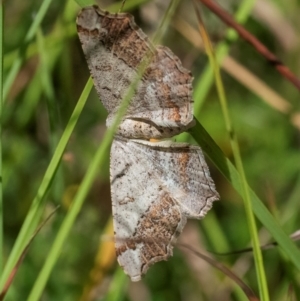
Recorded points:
98,160
258,258
20,57
1,110
48,89
206,80
117,287
35,211
52,109
46,81
166,20
129,5
230,173
68,30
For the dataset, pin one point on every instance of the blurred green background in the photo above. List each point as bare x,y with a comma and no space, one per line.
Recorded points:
51,73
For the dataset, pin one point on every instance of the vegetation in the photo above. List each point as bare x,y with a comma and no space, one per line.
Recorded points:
55,152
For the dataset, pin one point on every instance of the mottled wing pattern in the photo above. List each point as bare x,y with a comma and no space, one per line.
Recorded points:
114,48
146,218
150,207
182,170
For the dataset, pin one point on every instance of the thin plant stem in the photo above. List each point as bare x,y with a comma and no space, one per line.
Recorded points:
252,40
166,20
20,57
263,288
35,212
213,151
206,79
1,115
96,163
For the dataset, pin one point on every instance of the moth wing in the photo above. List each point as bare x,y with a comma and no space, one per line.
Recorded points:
146,218
114,47
183,172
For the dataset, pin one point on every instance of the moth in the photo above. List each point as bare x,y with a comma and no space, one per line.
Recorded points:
155,186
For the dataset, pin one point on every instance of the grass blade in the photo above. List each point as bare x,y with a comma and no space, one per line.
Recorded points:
206,80
20,57
35,211
1,115
96,163
22,256
231,174
258,259
226,271
117,287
